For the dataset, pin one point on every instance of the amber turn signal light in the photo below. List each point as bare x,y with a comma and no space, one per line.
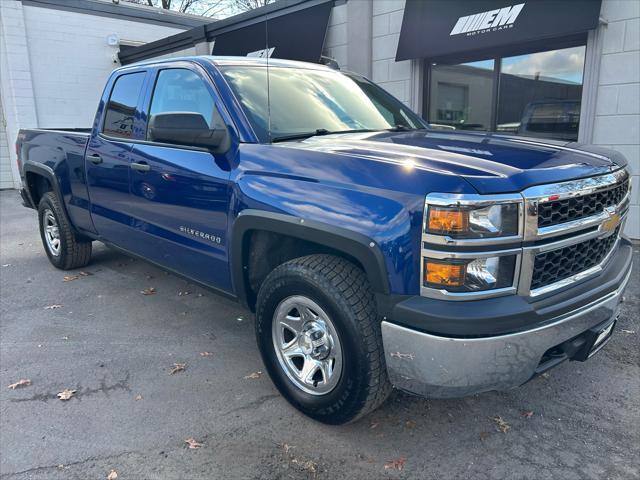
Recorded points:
446,220
445,274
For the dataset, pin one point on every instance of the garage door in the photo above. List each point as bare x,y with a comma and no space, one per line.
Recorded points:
6,179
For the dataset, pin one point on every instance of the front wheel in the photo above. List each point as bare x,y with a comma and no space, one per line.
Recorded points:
320,339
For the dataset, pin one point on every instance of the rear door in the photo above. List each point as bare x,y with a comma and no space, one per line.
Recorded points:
107,157
180,194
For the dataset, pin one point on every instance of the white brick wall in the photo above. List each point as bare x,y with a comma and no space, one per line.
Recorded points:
335,44
16,89
395,77
54,65
6,177
617,122
70,60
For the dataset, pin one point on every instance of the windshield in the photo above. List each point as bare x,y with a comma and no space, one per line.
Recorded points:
310,102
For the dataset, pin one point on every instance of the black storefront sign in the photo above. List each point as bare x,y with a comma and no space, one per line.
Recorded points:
439,29
295,36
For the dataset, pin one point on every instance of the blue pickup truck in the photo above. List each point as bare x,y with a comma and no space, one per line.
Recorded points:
375,251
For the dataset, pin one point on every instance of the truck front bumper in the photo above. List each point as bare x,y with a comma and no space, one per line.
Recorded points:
443,367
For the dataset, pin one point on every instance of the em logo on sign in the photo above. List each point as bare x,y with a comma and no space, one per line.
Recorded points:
489,21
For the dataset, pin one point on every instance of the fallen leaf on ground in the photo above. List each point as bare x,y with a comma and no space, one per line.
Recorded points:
502,425
484,435
410,356
628,332
182,294
206,354
286,447
397,464
69,278
253,375
193,443
113,475
65,338
527,414
53,307
373,425
23,382
85,274
178,367
138,397
545,375
410,424
307,465
6,265
149,291
61,466
66,394
240,319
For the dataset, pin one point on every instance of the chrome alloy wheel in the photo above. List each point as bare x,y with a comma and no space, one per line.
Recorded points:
51,232
307,345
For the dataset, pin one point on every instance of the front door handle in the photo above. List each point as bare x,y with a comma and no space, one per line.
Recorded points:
95,159
141,167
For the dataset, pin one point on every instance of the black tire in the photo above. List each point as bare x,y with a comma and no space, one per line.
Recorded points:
74,251
342,290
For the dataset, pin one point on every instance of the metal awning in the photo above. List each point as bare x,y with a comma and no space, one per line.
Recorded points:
296,32
439,29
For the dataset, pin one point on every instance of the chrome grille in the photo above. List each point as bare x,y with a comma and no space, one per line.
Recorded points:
575,208
556,265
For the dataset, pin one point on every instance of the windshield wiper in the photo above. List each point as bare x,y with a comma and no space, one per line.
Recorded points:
319,132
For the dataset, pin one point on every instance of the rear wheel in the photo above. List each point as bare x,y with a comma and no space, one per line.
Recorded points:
64,247
320,339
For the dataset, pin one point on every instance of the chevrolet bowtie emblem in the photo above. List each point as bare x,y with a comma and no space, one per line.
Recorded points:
611,223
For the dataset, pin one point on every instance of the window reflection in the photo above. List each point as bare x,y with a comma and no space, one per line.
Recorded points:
461,95
121,108
304,100
539,94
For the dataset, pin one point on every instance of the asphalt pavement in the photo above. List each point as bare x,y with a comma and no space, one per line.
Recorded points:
97,333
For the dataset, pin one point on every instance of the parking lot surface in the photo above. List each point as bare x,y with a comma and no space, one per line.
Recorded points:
97,333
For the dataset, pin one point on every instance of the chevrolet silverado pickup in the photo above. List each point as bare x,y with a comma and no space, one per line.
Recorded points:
374,250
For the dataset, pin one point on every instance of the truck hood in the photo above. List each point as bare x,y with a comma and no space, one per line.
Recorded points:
491,163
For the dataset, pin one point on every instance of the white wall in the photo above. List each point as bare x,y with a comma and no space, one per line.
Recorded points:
6,177
70,60
395,77
617,122
335,43
55,64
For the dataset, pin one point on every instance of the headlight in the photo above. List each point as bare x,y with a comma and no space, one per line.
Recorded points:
469,221
469,274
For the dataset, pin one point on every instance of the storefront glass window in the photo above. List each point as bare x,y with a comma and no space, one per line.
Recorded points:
460,95
539,94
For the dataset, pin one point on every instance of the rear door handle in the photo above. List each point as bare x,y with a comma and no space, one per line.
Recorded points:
95,159
141,167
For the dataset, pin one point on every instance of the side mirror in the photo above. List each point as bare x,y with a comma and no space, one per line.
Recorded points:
187,128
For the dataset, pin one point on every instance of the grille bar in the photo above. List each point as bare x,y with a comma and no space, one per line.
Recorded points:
569,209
556,265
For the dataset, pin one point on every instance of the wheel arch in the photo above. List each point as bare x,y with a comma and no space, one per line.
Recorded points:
351,245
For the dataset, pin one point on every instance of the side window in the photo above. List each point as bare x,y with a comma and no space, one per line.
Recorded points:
121,108
180,91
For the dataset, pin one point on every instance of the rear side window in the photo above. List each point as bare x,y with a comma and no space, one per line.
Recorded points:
121,108
181,90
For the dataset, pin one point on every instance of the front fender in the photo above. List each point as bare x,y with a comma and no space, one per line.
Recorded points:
356,245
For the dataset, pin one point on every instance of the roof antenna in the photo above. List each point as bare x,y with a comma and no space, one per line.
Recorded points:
267,51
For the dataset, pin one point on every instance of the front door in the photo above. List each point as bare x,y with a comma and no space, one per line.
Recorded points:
180,194
107,159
